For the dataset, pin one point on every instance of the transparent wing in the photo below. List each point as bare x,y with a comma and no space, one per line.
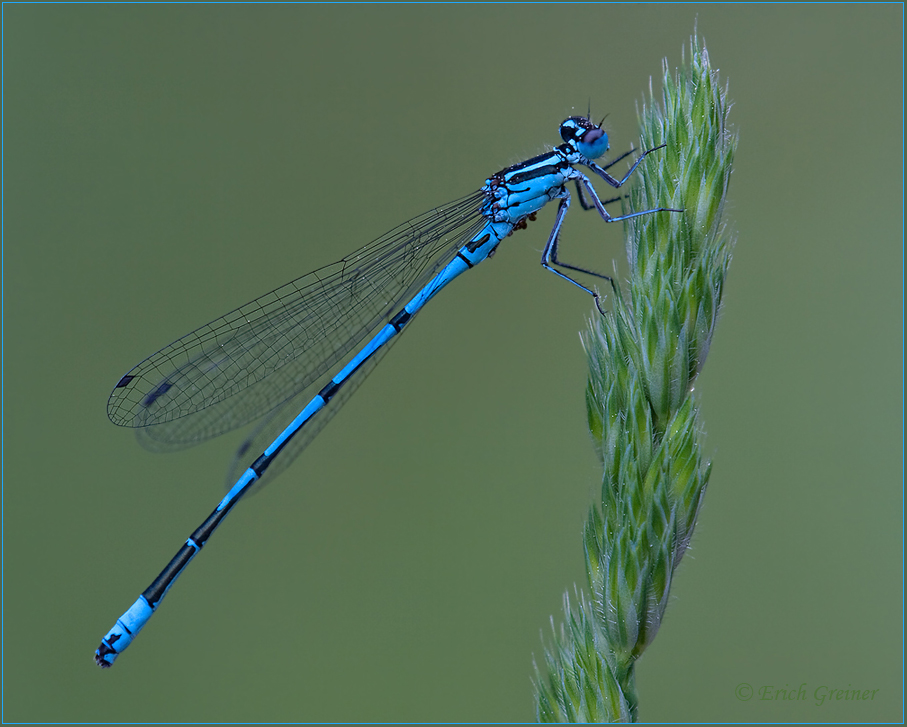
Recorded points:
258,357
276,421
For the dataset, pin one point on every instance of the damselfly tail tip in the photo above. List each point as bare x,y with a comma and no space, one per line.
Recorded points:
100,656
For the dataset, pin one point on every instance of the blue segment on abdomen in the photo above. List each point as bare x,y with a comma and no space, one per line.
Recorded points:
470,255
383,336
311,408
125,629
240,485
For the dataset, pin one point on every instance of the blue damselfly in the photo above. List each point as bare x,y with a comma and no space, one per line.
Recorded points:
265,360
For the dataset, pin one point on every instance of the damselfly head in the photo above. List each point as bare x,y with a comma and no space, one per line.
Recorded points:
587,137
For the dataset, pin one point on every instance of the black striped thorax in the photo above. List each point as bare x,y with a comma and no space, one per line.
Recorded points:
516,192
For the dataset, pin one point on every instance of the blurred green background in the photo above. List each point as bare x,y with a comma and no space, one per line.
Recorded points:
164,164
